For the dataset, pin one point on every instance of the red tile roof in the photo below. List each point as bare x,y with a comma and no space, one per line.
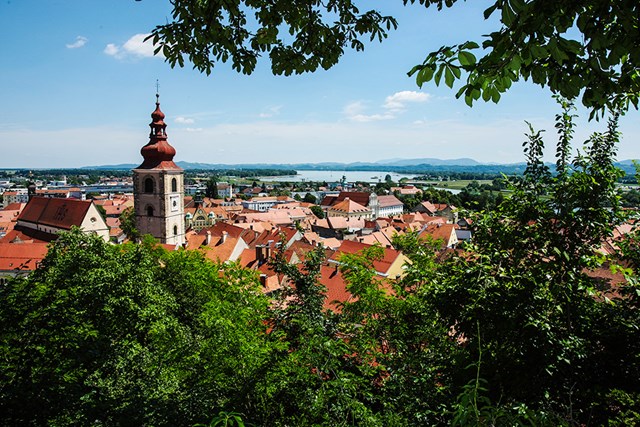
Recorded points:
382,265
439,232
21,256
14,206
349,206
27,235
388,201
58,213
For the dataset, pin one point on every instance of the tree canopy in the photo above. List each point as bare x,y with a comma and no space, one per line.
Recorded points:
516,329
588,48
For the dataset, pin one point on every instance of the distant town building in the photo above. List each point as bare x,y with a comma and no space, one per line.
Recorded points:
371,201
263,204
16,195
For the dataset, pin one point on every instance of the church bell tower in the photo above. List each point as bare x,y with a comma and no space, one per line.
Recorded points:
158,186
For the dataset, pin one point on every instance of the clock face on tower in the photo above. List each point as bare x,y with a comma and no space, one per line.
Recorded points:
174,201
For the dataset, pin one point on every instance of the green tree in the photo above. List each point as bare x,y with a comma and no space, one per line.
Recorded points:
212,188
522,295
127,335
588,47
128,224
317,211
310,198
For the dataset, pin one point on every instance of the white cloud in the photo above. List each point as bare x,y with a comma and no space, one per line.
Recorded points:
398,101
135,47
271,111
80,41
111,49
364,118
184,120
194,129
393,106
354,112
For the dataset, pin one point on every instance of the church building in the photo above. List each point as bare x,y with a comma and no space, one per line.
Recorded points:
158,186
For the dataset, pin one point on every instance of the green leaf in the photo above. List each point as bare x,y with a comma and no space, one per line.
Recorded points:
438,75
466,58
424,75
449,78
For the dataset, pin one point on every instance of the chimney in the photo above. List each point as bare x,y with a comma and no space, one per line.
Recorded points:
263,280
208,239
31,191
268,249
260,254
225,234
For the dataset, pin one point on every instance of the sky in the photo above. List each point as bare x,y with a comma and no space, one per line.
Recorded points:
78,84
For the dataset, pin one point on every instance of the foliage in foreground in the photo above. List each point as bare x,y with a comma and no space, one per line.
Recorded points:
126,336
513,331
585,48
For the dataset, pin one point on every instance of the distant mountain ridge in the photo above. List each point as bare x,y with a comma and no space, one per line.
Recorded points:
310,166
390,165
429,161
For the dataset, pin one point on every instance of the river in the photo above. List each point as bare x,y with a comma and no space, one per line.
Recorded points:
336,176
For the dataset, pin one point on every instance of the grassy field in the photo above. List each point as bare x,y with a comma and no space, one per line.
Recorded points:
456,185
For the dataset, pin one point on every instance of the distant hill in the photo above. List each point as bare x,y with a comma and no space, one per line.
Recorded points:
308,166
429,161
422,165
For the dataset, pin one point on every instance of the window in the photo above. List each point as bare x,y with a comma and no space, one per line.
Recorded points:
148,185
174,185
149,210
175,230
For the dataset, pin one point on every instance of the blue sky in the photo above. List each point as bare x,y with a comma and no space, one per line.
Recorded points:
77,87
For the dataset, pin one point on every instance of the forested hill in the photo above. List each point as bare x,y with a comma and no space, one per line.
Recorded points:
401,166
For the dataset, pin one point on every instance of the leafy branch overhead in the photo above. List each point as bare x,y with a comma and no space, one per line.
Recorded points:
588,49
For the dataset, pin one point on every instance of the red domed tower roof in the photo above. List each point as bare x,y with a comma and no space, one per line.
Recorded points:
158,153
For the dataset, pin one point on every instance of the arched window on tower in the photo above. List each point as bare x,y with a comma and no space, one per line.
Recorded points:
174,185
175,230
148,185
149,210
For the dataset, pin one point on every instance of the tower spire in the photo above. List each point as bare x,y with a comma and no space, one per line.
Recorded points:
158,153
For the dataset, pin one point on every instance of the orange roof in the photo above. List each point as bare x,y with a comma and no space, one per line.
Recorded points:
349,206
21,256
221,251
430,207
382,265
336,293
14,206
360,197
27,235
439,232
387,201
